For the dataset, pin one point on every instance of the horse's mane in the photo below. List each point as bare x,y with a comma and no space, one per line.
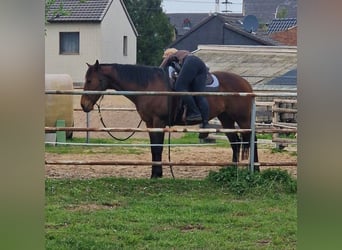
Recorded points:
139,74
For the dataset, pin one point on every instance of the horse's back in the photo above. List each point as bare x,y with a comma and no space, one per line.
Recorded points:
230,82
142,75
235,107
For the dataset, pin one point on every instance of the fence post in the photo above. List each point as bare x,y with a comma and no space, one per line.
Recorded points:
87,121
252,140
275,120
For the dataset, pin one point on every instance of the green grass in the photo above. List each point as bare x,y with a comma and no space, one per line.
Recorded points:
241,181
264,136
187,138
116,213
230,209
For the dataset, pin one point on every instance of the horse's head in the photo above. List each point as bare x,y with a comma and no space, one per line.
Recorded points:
96,80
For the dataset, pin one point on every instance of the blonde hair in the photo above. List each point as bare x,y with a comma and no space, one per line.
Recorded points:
169,51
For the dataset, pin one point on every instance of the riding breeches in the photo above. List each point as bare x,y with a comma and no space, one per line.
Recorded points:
192,77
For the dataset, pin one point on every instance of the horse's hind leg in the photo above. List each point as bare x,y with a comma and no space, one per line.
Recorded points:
233,138
157,138
246,137
235,143
256,157
245,149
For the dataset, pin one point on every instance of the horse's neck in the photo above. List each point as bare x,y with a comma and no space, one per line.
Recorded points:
135,78
117,84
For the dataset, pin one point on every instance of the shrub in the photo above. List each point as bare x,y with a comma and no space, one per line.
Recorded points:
241,181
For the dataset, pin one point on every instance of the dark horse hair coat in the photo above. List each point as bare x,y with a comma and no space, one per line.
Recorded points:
159,111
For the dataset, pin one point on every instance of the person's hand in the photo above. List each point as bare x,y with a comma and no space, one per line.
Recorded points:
176,66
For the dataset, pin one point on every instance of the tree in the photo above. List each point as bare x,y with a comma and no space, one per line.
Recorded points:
154,29
282,13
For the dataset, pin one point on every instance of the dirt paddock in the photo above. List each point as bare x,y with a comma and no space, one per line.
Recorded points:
131,119
188,154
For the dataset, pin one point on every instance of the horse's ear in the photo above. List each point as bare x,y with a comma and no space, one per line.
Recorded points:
88,65
97,65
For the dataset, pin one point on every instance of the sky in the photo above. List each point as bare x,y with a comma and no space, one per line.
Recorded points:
199,6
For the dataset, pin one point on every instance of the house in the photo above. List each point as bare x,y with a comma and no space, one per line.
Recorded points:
267,10
183,22
284,30
286,37
90,30
220,29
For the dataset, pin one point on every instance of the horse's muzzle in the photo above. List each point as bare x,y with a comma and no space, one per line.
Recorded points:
86,105
86,108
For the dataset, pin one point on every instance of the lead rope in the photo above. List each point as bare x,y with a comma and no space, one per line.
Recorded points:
104,125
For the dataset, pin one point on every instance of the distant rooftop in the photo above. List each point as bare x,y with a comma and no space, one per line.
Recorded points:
183,22
260,65
231,21
281,24
267,10
289,78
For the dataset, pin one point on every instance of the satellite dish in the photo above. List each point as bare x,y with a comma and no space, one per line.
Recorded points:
250,23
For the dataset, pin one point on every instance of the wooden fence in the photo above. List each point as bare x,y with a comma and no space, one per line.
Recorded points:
277,129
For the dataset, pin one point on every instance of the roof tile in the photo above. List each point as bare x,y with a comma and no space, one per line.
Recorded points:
281,24
88,11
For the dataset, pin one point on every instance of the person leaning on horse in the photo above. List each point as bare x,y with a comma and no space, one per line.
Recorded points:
191,76
155,110
171,69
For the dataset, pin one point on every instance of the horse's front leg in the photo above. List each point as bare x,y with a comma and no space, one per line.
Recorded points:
157,151
233,138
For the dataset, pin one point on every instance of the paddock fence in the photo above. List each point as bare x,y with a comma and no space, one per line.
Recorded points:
281,107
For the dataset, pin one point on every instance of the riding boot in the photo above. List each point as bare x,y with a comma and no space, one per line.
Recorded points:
193,114
205,124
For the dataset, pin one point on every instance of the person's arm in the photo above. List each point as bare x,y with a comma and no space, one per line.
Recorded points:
168,60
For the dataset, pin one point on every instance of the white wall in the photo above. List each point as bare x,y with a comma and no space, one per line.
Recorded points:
73,65
114,27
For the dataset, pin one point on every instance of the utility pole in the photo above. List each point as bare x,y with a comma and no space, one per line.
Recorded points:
217,6
226,2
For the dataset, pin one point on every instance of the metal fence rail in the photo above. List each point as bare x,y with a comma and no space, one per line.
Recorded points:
253,129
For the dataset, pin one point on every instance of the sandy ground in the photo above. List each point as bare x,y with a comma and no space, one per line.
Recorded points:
131,119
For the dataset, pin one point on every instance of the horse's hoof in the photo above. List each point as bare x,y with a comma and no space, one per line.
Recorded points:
256,168
203,135
156,176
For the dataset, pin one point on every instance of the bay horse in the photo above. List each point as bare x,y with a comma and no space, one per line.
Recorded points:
156,111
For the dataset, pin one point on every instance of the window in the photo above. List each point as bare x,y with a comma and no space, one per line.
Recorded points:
187,24
69,43
125,45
